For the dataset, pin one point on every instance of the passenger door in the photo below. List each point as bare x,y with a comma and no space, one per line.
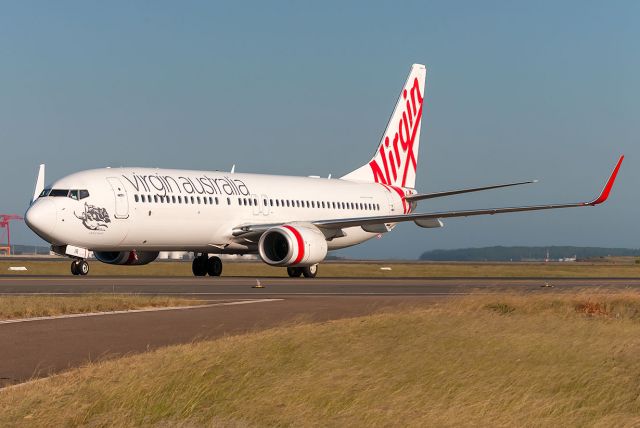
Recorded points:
120,194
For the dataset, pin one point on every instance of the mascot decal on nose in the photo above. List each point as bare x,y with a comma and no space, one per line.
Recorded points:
94,218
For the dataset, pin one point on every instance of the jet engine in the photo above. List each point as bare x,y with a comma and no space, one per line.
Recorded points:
126,257
292,245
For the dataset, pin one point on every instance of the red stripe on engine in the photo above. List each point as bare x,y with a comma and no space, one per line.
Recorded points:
300,243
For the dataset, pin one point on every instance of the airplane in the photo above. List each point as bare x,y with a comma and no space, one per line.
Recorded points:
126,216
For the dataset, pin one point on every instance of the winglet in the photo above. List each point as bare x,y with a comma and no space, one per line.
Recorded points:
607,188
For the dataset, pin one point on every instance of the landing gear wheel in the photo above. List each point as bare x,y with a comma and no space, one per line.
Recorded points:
199,266
83,267
310,271
294,272
214,266
74,267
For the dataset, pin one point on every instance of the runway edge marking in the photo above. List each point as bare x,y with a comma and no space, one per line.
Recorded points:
134,311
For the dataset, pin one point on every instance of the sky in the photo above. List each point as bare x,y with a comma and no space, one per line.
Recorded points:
545,90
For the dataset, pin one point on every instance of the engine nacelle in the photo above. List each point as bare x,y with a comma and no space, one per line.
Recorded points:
292,245
126,257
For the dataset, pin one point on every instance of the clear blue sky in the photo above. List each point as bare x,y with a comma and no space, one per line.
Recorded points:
515,90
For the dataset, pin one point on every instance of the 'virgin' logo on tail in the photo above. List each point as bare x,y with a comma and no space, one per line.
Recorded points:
397,156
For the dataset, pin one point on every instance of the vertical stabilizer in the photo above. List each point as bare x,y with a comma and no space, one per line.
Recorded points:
396,159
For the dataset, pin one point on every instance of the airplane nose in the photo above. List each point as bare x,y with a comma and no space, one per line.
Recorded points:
41,217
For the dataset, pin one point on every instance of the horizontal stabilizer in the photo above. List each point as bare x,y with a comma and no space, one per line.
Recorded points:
422,196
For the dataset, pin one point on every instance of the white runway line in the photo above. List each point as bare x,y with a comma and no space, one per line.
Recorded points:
134,311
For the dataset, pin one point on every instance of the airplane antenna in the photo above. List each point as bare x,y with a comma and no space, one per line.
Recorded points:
233,168
329,177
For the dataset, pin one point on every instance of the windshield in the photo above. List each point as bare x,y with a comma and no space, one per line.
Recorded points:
73,194
59,192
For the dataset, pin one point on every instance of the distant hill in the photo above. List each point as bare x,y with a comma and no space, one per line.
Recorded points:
500,254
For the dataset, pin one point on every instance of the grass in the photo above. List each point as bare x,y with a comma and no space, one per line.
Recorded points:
508,360
333,269
12,307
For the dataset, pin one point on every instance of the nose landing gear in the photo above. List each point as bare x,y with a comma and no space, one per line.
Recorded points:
79,267
203,265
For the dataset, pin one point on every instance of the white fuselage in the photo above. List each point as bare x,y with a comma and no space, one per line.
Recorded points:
166,209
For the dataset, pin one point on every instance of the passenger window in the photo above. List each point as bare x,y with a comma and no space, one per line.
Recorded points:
135,197
216,200
228,201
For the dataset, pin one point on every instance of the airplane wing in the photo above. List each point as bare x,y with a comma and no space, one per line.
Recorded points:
422,196
417,217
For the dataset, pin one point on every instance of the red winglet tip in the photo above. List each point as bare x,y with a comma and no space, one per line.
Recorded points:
607,188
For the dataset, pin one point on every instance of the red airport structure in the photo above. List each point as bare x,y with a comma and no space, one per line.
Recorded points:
4,224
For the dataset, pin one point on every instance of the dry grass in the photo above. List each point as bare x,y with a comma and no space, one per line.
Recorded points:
41,306
485,360
367,270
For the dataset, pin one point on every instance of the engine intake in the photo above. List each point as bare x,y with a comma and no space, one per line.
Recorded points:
131,258
289,245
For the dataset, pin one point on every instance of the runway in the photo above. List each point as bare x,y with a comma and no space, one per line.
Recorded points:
242,286
232,306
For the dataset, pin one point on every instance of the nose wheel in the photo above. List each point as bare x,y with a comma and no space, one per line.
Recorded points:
79,267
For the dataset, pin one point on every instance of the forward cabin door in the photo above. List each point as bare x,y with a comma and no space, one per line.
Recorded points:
119,192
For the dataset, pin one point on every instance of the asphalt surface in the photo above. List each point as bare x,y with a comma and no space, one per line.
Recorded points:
37,348
237,286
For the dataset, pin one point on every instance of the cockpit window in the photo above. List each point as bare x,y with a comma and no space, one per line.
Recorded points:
73,194
59,192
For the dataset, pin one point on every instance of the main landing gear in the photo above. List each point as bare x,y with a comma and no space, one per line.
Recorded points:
79,267
203,265
307,271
